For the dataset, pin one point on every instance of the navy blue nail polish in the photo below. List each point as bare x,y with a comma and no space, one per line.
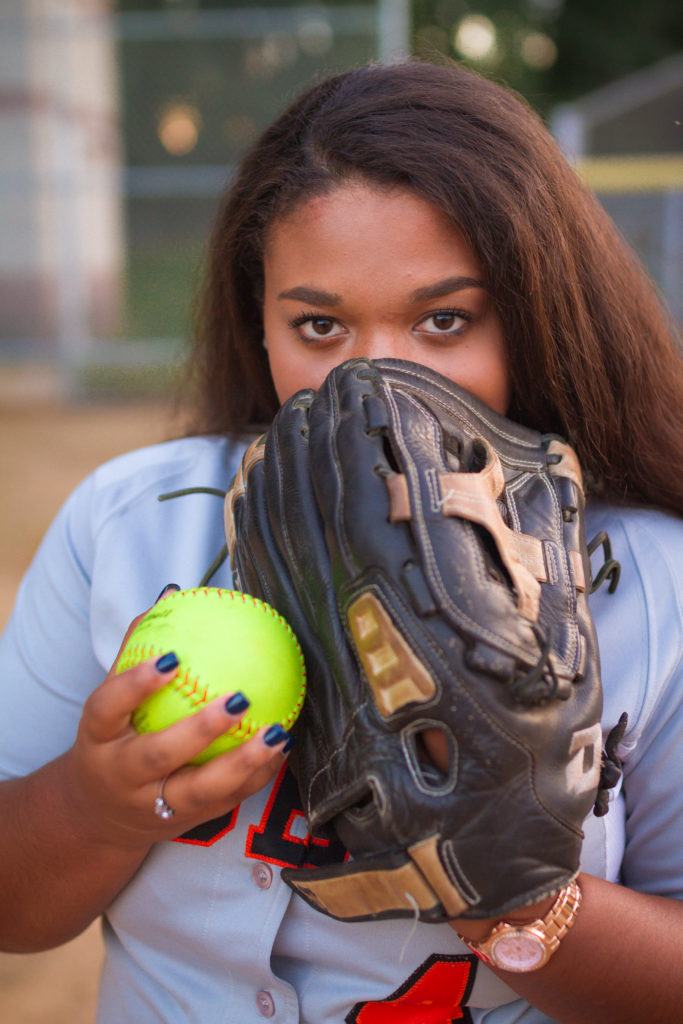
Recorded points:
167,662
288,745
275,735
169,586
236,704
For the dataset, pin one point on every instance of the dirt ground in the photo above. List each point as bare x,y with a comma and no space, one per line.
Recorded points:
46,448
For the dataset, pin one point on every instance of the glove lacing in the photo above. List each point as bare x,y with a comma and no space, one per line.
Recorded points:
540,684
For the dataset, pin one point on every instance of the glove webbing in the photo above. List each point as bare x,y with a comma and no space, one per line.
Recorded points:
472,496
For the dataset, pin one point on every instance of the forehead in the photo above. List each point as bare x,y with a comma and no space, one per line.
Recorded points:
358,227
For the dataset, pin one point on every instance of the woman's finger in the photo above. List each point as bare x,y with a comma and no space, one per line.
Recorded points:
109,707
107,711
162,752
231,777
169,588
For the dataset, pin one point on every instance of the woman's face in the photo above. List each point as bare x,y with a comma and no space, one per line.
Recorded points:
361,272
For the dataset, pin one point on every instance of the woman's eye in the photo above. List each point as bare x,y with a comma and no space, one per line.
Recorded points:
313,328
321,326
446,321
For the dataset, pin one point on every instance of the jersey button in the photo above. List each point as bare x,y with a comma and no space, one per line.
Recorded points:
265,1004
262,875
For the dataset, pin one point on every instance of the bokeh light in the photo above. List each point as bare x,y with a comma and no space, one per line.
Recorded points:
178,128
475,38
315,36
274,53
538,51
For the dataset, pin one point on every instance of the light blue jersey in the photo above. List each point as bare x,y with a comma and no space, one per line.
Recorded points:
206,931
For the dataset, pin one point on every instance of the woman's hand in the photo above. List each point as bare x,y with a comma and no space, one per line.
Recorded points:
115,774
76,830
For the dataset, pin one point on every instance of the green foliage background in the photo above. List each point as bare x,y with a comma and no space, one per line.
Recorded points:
598,41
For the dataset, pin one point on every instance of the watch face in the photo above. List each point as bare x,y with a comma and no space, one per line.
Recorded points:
517,951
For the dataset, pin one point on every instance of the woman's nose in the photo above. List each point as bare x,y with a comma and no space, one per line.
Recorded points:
381,344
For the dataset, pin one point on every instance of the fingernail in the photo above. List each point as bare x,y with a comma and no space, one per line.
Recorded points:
288,745
236,704
167,662
275,735
169,586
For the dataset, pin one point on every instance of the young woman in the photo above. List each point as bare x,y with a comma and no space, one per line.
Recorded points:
413,211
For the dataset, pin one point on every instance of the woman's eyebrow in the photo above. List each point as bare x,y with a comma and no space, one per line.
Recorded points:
315,296
319,297
445,287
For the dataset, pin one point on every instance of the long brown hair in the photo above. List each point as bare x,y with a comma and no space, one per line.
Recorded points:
593,354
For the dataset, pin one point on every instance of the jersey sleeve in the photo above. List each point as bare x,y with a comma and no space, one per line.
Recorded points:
47,662
641,646
104,560
653,755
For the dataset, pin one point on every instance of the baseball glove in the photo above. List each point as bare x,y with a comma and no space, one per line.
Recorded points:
430,556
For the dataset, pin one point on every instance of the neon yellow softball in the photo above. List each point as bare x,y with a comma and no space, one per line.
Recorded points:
225,641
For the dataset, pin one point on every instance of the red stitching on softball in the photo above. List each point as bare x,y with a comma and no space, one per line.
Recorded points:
135,655
183,684
187,688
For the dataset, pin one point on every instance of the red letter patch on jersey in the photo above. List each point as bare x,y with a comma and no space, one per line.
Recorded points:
281,837
433,994
209,832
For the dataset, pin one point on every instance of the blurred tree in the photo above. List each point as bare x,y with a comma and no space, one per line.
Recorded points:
550,50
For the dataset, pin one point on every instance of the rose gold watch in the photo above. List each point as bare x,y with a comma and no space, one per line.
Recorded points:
522,948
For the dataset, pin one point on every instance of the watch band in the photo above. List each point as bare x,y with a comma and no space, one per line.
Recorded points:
522,948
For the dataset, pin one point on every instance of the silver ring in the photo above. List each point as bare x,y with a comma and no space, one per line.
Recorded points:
161,808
